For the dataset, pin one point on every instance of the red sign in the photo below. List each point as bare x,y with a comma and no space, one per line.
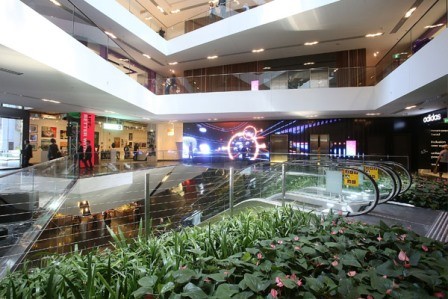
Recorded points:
87,129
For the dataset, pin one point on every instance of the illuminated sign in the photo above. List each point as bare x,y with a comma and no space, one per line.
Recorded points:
116,127
432,117
244,145
350,148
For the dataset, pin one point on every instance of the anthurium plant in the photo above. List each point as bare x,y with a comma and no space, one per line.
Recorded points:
278,253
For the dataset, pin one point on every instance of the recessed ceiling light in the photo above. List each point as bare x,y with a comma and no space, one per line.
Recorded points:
212,57
311,43
372,114
257,50
434,26
258,117
409,12
55,2
108,111
147,56
175,11
308,63
267,68
160,8
172,63
51,101
410,107
110,34
374,34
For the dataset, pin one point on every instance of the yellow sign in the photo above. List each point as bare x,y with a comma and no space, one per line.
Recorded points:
351,177
372,171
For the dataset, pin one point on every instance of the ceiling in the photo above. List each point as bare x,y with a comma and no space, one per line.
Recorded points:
339,26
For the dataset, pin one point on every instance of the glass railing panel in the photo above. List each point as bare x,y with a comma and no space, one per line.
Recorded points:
141,12
422,32
28,199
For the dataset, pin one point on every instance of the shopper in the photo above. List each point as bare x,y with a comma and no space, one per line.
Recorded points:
53,150
442,161
27,153
88,156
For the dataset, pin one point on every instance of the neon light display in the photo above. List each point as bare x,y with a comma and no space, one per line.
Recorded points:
244,144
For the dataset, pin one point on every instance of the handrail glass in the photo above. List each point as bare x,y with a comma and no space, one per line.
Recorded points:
198,15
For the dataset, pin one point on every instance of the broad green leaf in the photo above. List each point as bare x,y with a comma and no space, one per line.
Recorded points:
225,291
314,284
243,295
265,266
255,283
140,292
219,277
183,276
308,250
148,281
253,251
246,257
193,291
388,269
350,260
169,286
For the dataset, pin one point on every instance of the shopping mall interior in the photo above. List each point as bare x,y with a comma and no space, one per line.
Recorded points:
198,109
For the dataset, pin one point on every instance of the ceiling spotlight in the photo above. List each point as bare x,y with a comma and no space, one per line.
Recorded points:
175,11
172,63
55,2
160,8
51,101
409,12
110,34
308,63
267,68
374,34
410,107
311,43
434,26
257,50
212,57
147,56
372,114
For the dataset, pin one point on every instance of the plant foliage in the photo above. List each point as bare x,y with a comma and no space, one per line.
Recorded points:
278,253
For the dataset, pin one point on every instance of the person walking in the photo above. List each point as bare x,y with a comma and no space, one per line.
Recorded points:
88,156
442,161
27,153
53,150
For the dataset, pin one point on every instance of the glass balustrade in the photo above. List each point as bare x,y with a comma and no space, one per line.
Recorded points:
56,210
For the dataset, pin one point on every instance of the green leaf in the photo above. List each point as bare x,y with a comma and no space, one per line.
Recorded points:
314,284
167,287
148,281
265,266
246,257
219,277
193,291
183,276
350,260
255,283
345,287
243,295
308,250
253,251
225,291
140,292
388,269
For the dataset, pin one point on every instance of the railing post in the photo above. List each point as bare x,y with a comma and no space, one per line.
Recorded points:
231,190
147,203
283,184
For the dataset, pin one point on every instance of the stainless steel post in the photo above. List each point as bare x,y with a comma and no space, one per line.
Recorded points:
283,184
231,190
147,203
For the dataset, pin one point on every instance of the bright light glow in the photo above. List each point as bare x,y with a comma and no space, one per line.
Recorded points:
212,57
175,11
204,148
173,63
55,2
308,63
110,34
257,50
51,101
258,117
267,68
434,26
372,114
160,8
374,34
147,56
202,130
108,111
311,43
238,141
410,107
376,53
409,12
116,127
